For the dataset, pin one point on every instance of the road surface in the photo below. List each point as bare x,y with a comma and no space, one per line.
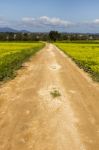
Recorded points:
32,117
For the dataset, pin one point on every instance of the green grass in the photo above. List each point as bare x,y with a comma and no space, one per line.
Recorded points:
85,55
12,55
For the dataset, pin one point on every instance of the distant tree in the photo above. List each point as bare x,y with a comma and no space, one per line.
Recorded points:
2,36
25,36
54,35
19,37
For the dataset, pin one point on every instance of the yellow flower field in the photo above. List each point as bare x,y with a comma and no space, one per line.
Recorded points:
85,55
12,55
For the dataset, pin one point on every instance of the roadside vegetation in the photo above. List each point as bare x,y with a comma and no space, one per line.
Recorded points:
12,55
86,55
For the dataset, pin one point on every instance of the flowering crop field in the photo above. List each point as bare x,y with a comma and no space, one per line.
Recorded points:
85,55
12,55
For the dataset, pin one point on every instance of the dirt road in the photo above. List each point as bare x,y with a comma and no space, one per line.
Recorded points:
32,117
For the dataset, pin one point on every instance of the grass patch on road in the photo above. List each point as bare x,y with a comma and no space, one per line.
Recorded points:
12,55
86,55
55,93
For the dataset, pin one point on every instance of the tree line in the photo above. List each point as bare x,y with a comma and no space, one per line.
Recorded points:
51,36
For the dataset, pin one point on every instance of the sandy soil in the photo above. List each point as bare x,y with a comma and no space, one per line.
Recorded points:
31,118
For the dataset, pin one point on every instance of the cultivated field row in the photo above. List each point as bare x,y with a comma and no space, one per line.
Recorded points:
85,55
12,55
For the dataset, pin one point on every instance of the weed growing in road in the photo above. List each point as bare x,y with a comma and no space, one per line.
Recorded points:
55,93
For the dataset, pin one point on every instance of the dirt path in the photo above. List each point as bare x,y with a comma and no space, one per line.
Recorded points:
32,119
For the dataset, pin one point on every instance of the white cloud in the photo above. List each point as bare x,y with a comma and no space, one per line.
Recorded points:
3,22
96,21
46,21
92,23
28,19
55,22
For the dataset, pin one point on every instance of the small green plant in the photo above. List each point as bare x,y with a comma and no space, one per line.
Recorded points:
55,93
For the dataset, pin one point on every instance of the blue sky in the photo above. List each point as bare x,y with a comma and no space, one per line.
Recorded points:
46,15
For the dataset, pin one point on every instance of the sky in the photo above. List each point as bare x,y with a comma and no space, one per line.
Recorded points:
46,15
